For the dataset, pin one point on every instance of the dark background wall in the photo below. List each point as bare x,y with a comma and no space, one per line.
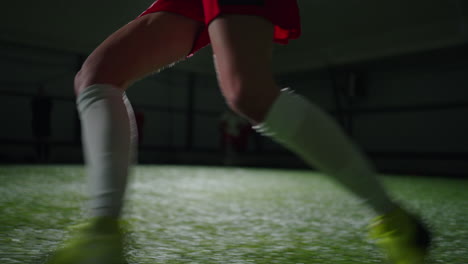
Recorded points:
392,73
408,112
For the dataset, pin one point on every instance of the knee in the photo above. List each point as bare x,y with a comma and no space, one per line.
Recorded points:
240,100
249,99
78,82
93,73
86,77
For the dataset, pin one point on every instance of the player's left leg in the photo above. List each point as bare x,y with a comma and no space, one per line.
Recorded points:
242,47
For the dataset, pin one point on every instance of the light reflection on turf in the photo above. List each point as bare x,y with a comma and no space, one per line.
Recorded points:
217,215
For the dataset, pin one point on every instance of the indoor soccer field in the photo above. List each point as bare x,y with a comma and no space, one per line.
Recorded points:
182,214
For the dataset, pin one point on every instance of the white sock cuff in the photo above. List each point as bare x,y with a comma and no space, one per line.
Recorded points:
285,116
95,93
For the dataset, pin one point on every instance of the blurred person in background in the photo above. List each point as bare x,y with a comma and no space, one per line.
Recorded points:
234,131
41,109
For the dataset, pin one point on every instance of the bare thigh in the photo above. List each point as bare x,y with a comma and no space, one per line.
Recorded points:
139,48
242,46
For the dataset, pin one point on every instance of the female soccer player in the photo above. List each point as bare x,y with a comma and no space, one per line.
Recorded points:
241,33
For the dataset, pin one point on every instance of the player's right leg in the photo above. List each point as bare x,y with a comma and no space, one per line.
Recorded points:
137,49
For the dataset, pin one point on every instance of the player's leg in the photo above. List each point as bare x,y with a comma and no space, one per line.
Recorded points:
139,48
244,65
246,80
242,47
143,46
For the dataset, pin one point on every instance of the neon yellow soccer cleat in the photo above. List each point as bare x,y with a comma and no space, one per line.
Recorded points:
99,241
404,238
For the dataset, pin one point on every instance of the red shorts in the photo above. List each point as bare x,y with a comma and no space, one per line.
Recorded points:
284,14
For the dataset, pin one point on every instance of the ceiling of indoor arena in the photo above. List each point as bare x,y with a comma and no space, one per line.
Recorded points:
335,32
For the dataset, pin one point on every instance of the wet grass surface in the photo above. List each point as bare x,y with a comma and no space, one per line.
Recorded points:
225,215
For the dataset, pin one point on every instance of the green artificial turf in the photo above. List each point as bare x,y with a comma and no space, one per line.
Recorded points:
226,215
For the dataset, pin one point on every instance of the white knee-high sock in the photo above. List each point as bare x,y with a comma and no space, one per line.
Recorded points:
309,132
108,134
